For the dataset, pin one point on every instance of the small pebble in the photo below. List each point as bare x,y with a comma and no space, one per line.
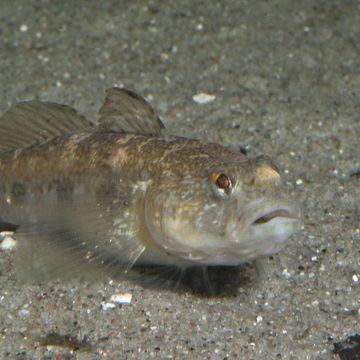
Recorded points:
203,98
24,313
355,278
24,28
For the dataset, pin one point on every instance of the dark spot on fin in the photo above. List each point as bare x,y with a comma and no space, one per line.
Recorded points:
125,111
32,122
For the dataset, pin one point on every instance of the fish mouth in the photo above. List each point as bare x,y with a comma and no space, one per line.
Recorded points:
267,216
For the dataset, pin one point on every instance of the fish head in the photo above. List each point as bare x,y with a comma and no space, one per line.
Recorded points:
223,213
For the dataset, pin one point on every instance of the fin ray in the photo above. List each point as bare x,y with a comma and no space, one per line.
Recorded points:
125,111
75,237
32,122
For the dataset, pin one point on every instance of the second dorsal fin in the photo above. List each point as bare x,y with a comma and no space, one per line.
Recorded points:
32,122
125,111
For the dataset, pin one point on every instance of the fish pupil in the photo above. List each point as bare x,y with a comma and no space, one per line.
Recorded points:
223,182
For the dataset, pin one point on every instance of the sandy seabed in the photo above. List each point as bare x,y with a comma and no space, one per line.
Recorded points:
286,81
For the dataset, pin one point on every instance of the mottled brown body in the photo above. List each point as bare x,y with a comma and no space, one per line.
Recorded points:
98,164
90,160
121,194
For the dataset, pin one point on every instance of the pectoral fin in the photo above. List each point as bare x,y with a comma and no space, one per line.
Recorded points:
75,238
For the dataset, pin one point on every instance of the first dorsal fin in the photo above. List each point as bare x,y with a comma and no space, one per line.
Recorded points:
32,122
126,111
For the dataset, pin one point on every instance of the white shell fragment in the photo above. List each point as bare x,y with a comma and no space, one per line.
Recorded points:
286,274
121,298
116,299
7,242
108,305
203,98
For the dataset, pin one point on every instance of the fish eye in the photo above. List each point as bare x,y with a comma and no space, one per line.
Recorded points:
221,181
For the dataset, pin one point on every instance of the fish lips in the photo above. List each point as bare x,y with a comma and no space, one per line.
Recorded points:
265,231
273,213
